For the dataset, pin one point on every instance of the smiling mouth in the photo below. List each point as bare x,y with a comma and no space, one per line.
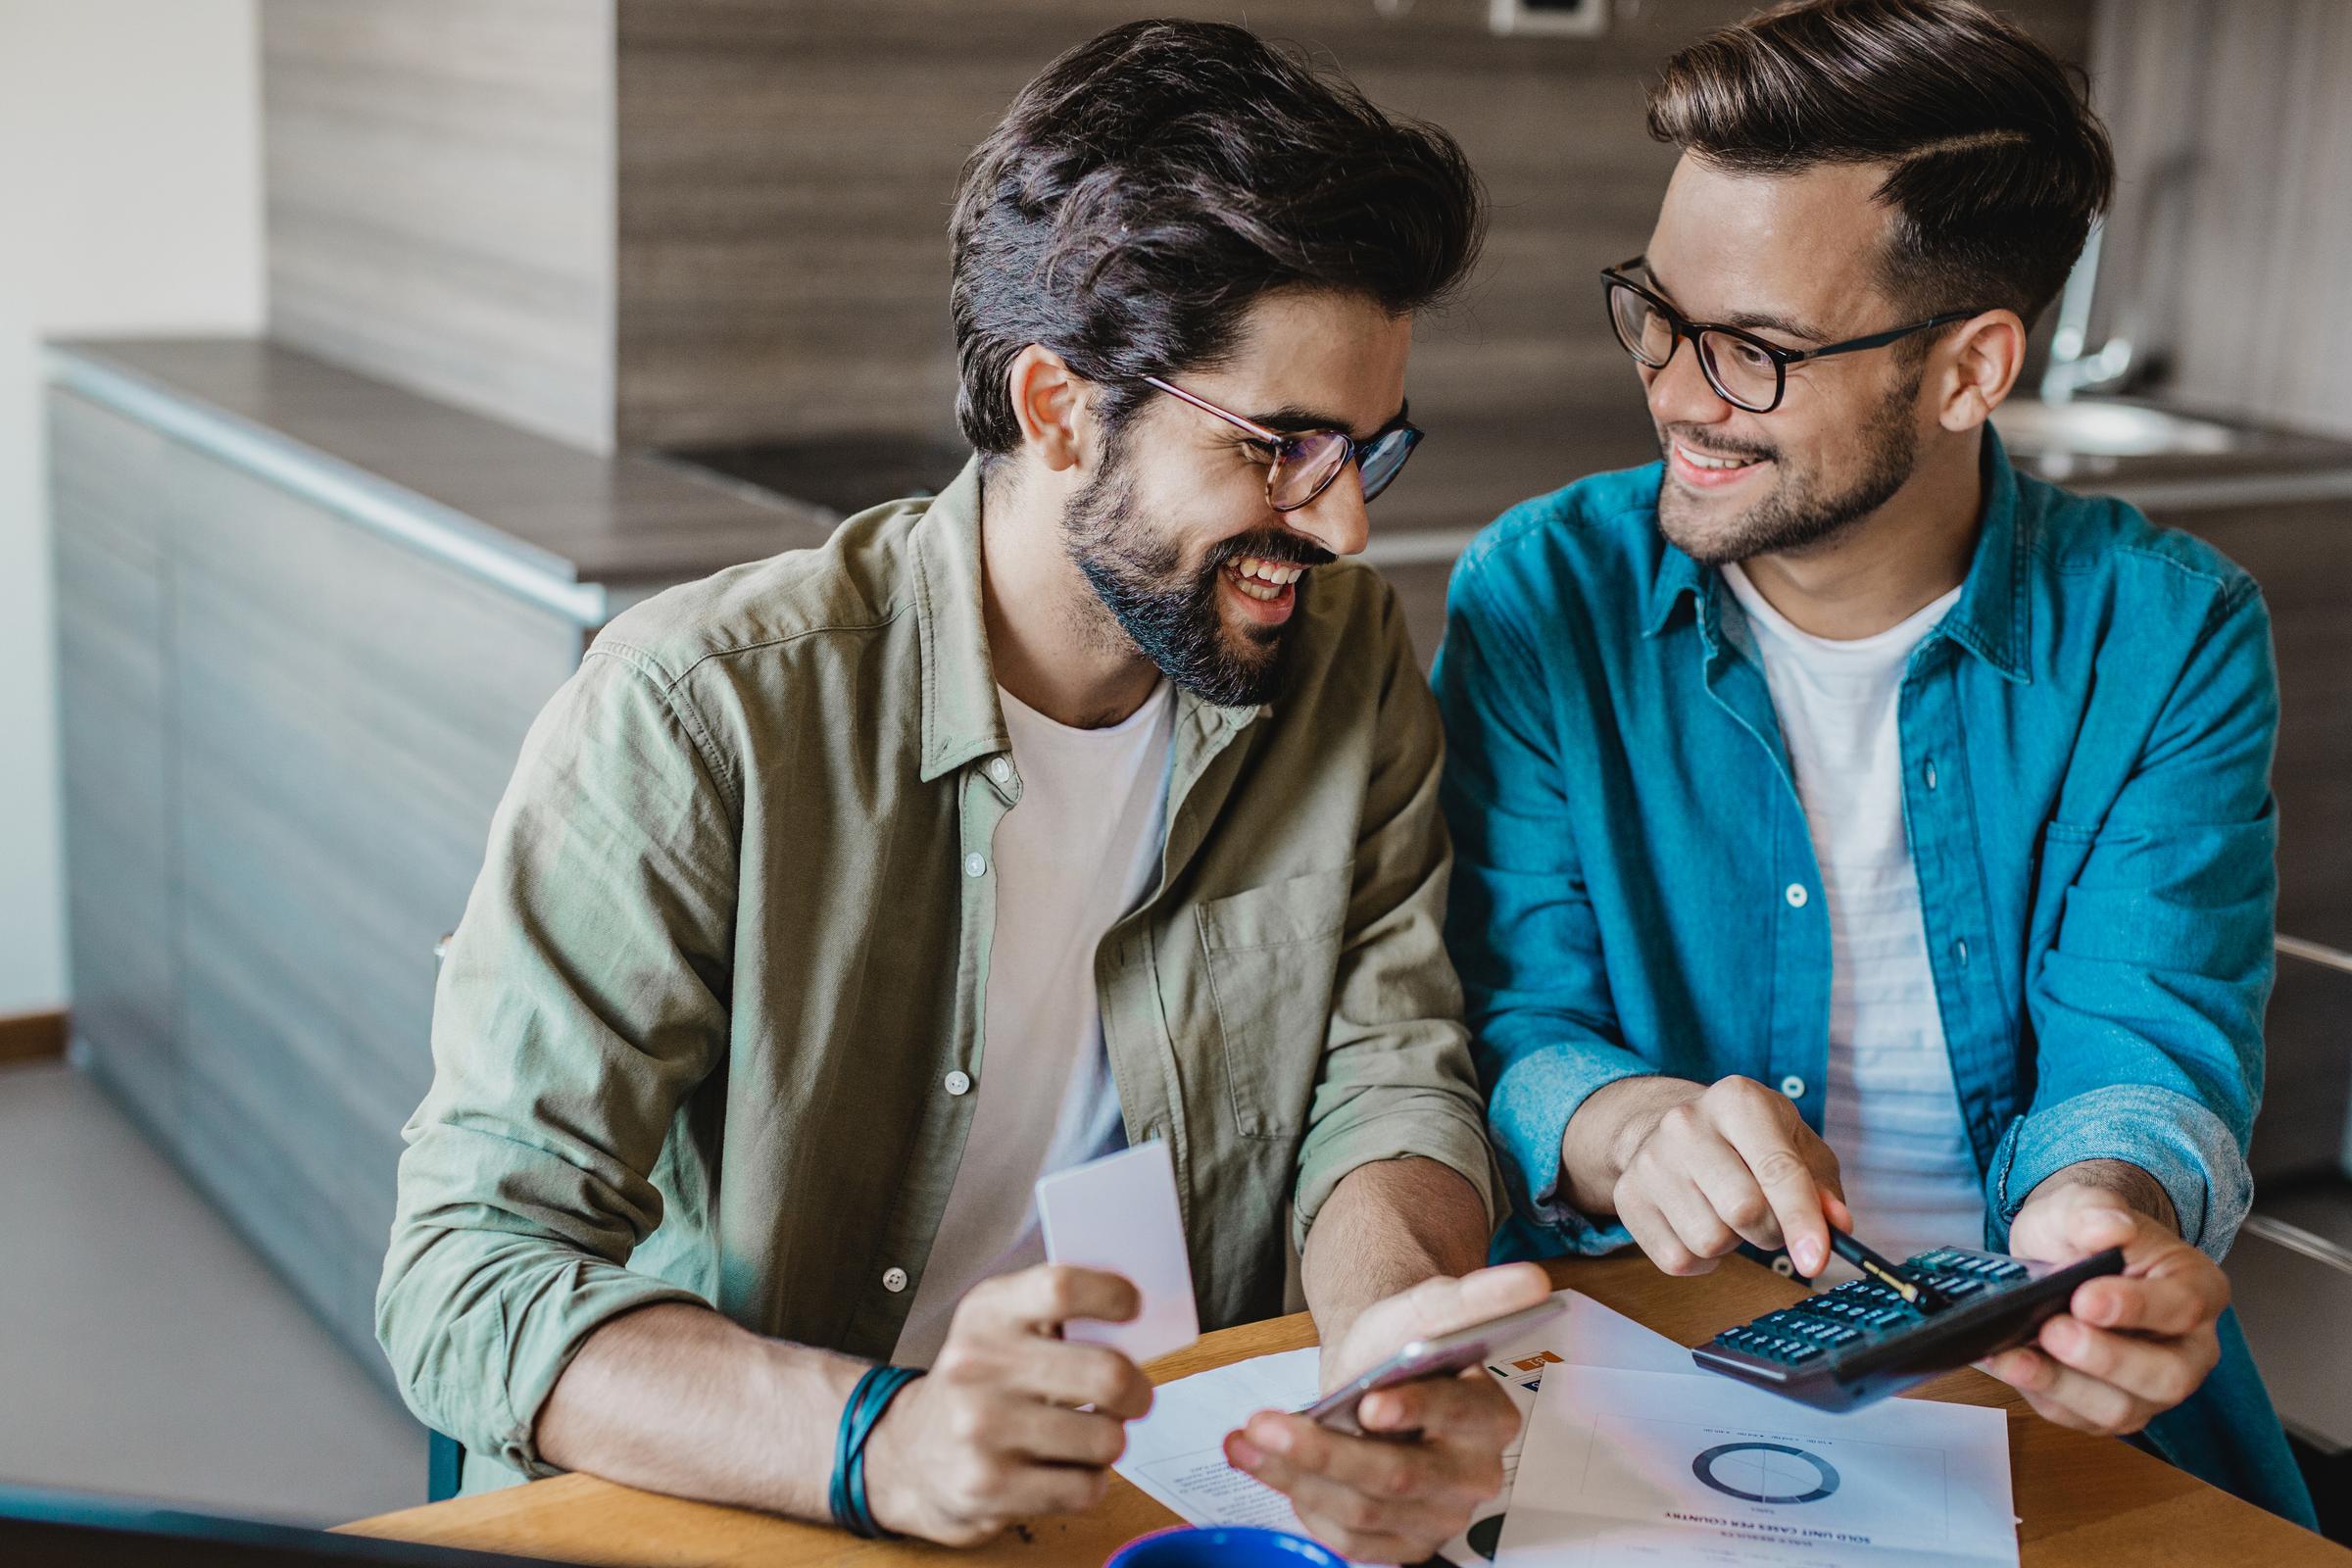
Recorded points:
1709,463
1266,582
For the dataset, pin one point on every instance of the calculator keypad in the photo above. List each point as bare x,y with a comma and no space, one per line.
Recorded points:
1856,1315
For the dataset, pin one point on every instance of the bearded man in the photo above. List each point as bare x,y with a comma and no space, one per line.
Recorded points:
841,895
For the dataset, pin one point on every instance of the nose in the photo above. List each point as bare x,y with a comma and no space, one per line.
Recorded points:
1680,394
1335,519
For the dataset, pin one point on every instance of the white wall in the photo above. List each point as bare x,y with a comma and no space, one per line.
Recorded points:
129,202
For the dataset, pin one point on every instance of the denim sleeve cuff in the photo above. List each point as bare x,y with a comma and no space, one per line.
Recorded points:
2187,1148
1536,1093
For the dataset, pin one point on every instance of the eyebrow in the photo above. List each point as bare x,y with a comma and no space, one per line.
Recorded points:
1292,420
1750,320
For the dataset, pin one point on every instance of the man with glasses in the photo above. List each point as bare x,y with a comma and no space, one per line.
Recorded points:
841,895
1850,829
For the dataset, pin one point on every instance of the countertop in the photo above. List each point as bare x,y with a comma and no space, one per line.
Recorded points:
541,508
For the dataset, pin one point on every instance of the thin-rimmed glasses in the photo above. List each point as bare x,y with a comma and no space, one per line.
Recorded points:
1300,466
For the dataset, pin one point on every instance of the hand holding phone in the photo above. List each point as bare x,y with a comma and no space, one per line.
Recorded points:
1441,1355
1395,1463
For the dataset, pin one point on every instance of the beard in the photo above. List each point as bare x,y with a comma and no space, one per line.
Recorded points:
1147,598
1800,512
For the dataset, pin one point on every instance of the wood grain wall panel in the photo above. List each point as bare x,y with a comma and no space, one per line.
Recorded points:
785,174
439,199
2302,556
114,615
2225,252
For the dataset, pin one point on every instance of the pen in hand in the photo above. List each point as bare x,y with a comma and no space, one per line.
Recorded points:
1917,1295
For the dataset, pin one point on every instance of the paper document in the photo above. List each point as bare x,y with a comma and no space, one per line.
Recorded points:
1119,1213
1689,1471
1176,1453
1590,1335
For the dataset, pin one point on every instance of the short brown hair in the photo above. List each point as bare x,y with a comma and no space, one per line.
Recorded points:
1152,183
1999,166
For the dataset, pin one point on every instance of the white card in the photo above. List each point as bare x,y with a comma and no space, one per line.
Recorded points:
1119,1213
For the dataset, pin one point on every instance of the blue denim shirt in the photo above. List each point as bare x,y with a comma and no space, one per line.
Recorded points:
2085,742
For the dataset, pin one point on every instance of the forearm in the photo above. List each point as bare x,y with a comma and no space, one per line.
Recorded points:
675,1399
2135,1188
1387,1227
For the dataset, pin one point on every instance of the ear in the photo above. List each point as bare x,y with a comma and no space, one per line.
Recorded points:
1984,357
1050,400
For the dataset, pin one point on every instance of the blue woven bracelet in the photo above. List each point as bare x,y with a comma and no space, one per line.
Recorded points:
868,1401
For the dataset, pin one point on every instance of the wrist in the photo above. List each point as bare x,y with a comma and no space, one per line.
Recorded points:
1606,1131
888,1471
2122,1184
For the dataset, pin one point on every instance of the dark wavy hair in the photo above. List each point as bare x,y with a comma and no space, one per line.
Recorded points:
1997,164
1152,183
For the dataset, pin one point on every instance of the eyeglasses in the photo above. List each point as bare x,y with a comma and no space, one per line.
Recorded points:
1302,466
1744,370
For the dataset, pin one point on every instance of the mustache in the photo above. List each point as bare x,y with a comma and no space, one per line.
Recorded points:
1285,549
1714,446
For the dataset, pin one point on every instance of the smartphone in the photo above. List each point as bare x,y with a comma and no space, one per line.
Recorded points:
1442,1357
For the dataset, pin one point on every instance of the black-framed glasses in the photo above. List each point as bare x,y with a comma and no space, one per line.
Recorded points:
1744,370
1302,466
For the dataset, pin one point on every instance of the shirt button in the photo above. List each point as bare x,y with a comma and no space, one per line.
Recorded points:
894,1280
959,1083
1793,1087
1000,771
975,865
1931,775
1797,896
1961,949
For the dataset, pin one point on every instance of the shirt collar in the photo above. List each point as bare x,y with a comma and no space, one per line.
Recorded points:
962,718
1994,618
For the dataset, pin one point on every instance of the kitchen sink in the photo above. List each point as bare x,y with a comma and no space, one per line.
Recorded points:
2097,428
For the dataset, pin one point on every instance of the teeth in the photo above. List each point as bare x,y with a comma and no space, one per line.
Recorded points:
1267,571
1700,460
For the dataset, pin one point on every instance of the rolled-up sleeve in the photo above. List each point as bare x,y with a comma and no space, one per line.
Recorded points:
583,998
1395,1078
2147,1009
1521,925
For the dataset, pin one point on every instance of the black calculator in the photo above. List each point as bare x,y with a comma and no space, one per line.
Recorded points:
1859,1343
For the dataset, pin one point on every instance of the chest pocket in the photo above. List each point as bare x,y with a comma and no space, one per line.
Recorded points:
1272,954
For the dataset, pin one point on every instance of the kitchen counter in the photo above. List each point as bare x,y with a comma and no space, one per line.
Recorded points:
552,521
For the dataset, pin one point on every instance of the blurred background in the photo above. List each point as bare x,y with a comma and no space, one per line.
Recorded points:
360,358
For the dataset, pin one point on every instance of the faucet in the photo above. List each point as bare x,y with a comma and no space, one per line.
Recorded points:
2070,370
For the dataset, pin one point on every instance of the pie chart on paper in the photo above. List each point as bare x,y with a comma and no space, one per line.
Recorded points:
1766,1472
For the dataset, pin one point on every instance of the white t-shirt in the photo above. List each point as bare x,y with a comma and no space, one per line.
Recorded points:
1072,856
1892,1111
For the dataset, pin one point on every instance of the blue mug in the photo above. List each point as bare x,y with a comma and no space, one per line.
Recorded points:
1223,1546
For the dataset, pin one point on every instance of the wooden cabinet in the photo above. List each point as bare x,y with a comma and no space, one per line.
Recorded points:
114,682
285,737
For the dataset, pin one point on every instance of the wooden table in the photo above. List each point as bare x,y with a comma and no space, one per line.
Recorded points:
2083,1499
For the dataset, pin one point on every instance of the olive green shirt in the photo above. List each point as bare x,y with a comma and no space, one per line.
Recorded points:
694,1036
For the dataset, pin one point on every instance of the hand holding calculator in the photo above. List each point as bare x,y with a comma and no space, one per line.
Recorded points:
1861,1342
